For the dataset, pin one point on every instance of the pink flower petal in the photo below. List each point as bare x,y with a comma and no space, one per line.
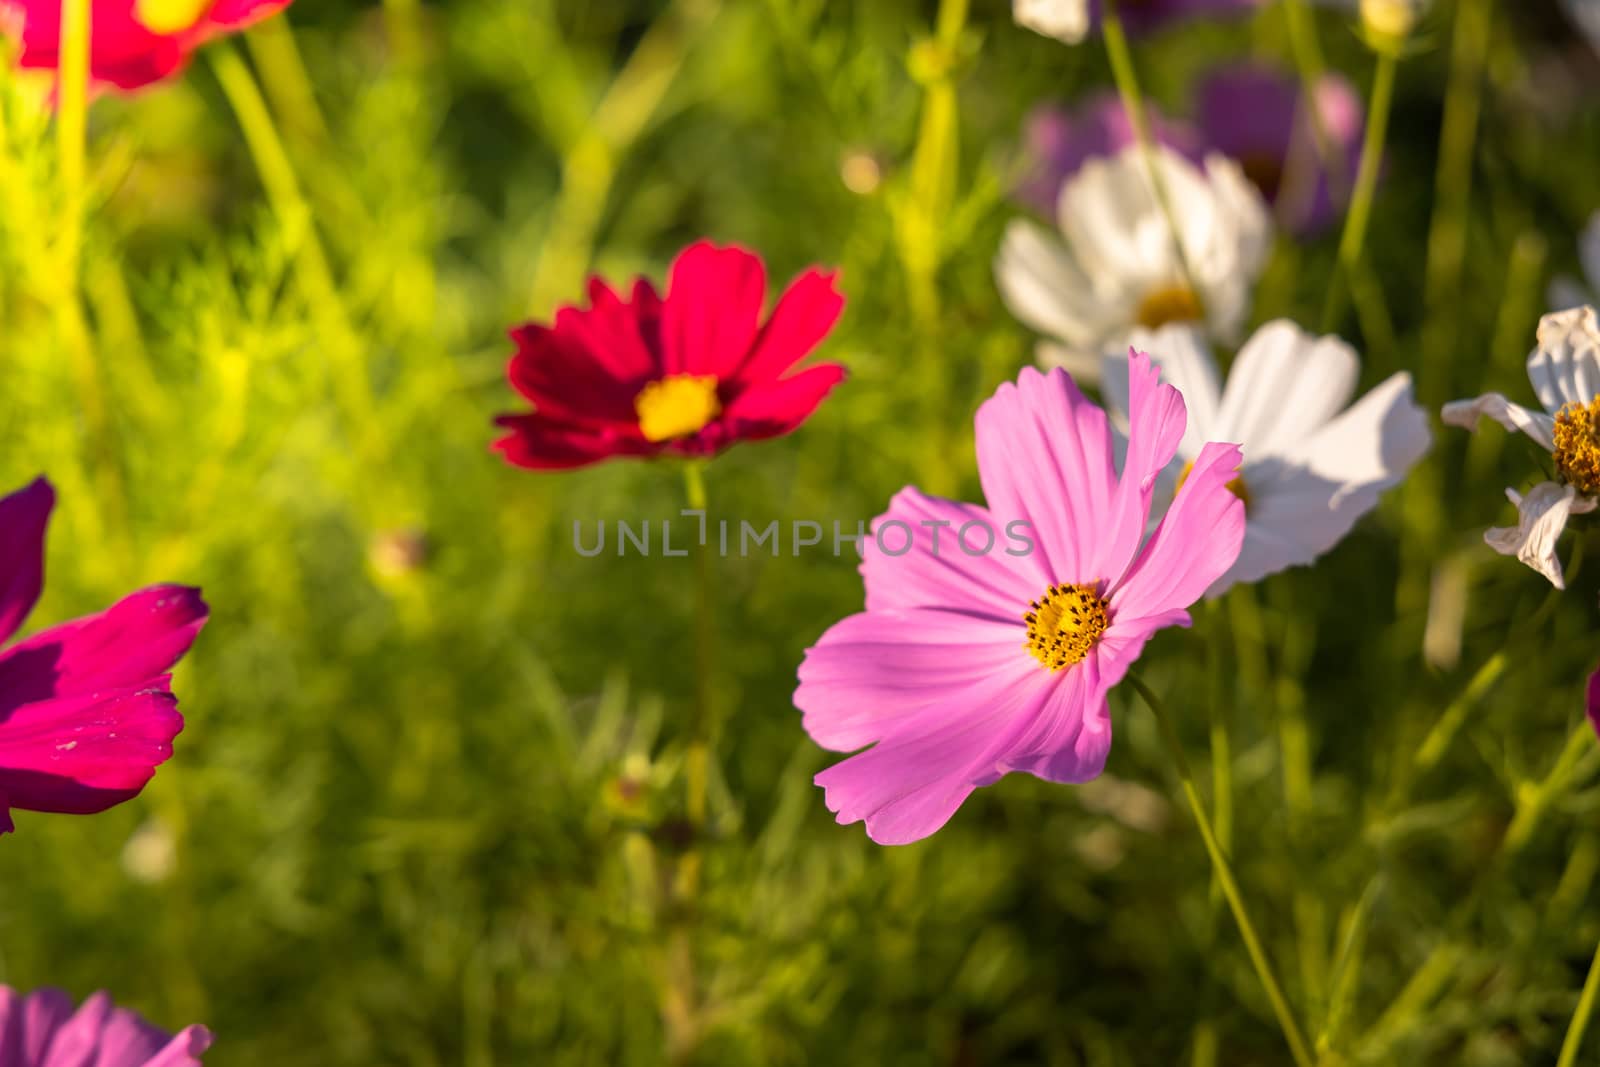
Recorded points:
1196,543
23,518
132,644
1045,457
83,754
540,443
997,583
908,786
871,674
713,309
1070,737
773,409
805,314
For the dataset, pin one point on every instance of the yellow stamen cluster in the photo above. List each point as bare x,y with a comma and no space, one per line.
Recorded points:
168,17
1170,303
1064,624
1577,435
1236,487
677,406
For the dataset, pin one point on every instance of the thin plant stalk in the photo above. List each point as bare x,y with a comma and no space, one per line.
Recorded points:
72,121
1230,886
1580,1018
1359,214
1126,77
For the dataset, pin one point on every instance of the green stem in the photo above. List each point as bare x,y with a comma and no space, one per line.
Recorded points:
1580,1018
294,215
697,770
1127,79
1230,887
1360,213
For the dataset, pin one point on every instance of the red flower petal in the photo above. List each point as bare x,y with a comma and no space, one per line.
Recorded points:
713,310
805,314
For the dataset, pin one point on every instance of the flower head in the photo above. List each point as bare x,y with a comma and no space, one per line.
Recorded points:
1256,114
1057,142
134,43
687,375
1070,21
1565,372
966,666
41,1029
86,709
1312,466
1120,267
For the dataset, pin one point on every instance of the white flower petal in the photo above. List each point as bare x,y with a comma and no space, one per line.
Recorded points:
1304,503
1565,367
1228,266
1283,387
1065,20
1185,360
1541,516
1043,286
1514,417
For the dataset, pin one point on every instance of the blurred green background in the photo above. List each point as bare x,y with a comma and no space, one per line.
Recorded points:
428,808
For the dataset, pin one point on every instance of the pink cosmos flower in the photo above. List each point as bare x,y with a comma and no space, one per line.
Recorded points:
86,712
41,1030
963,667
688,375
133,43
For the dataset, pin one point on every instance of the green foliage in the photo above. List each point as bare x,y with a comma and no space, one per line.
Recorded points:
429,806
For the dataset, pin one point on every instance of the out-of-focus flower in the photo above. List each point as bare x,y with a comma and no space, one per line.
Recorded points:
1056,142
41,1029
133,43
1070,21
688,375
1568,292
1120,266
150,853
1312,466
1256,114
86,709
1565,372
967,666
1592,700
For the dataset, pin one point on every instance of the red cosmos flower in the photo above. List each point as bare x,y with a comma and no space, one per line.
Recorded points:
133,43
687,375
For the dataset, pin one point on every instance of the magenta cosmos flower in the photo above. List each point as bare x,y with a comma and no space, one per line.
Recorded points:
688,375
133,43
967,666
86,712
42,1030
1255,114
1056,142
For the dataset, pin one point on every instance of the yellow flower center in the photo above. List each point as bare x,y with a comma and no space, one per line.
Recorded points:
1577,435
1170,303
677,406
168,17
1236,487
1064,624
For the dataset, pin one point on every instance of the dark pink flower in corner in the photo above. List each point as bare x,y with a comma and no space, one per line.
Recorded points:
687,375
86,709
133,43
41,1029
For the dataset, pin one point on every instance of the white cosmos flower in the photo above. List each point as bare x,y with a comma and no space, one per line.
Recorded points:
1567,291
1565,372
1586,13
1312,466
1119,267
1065,20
